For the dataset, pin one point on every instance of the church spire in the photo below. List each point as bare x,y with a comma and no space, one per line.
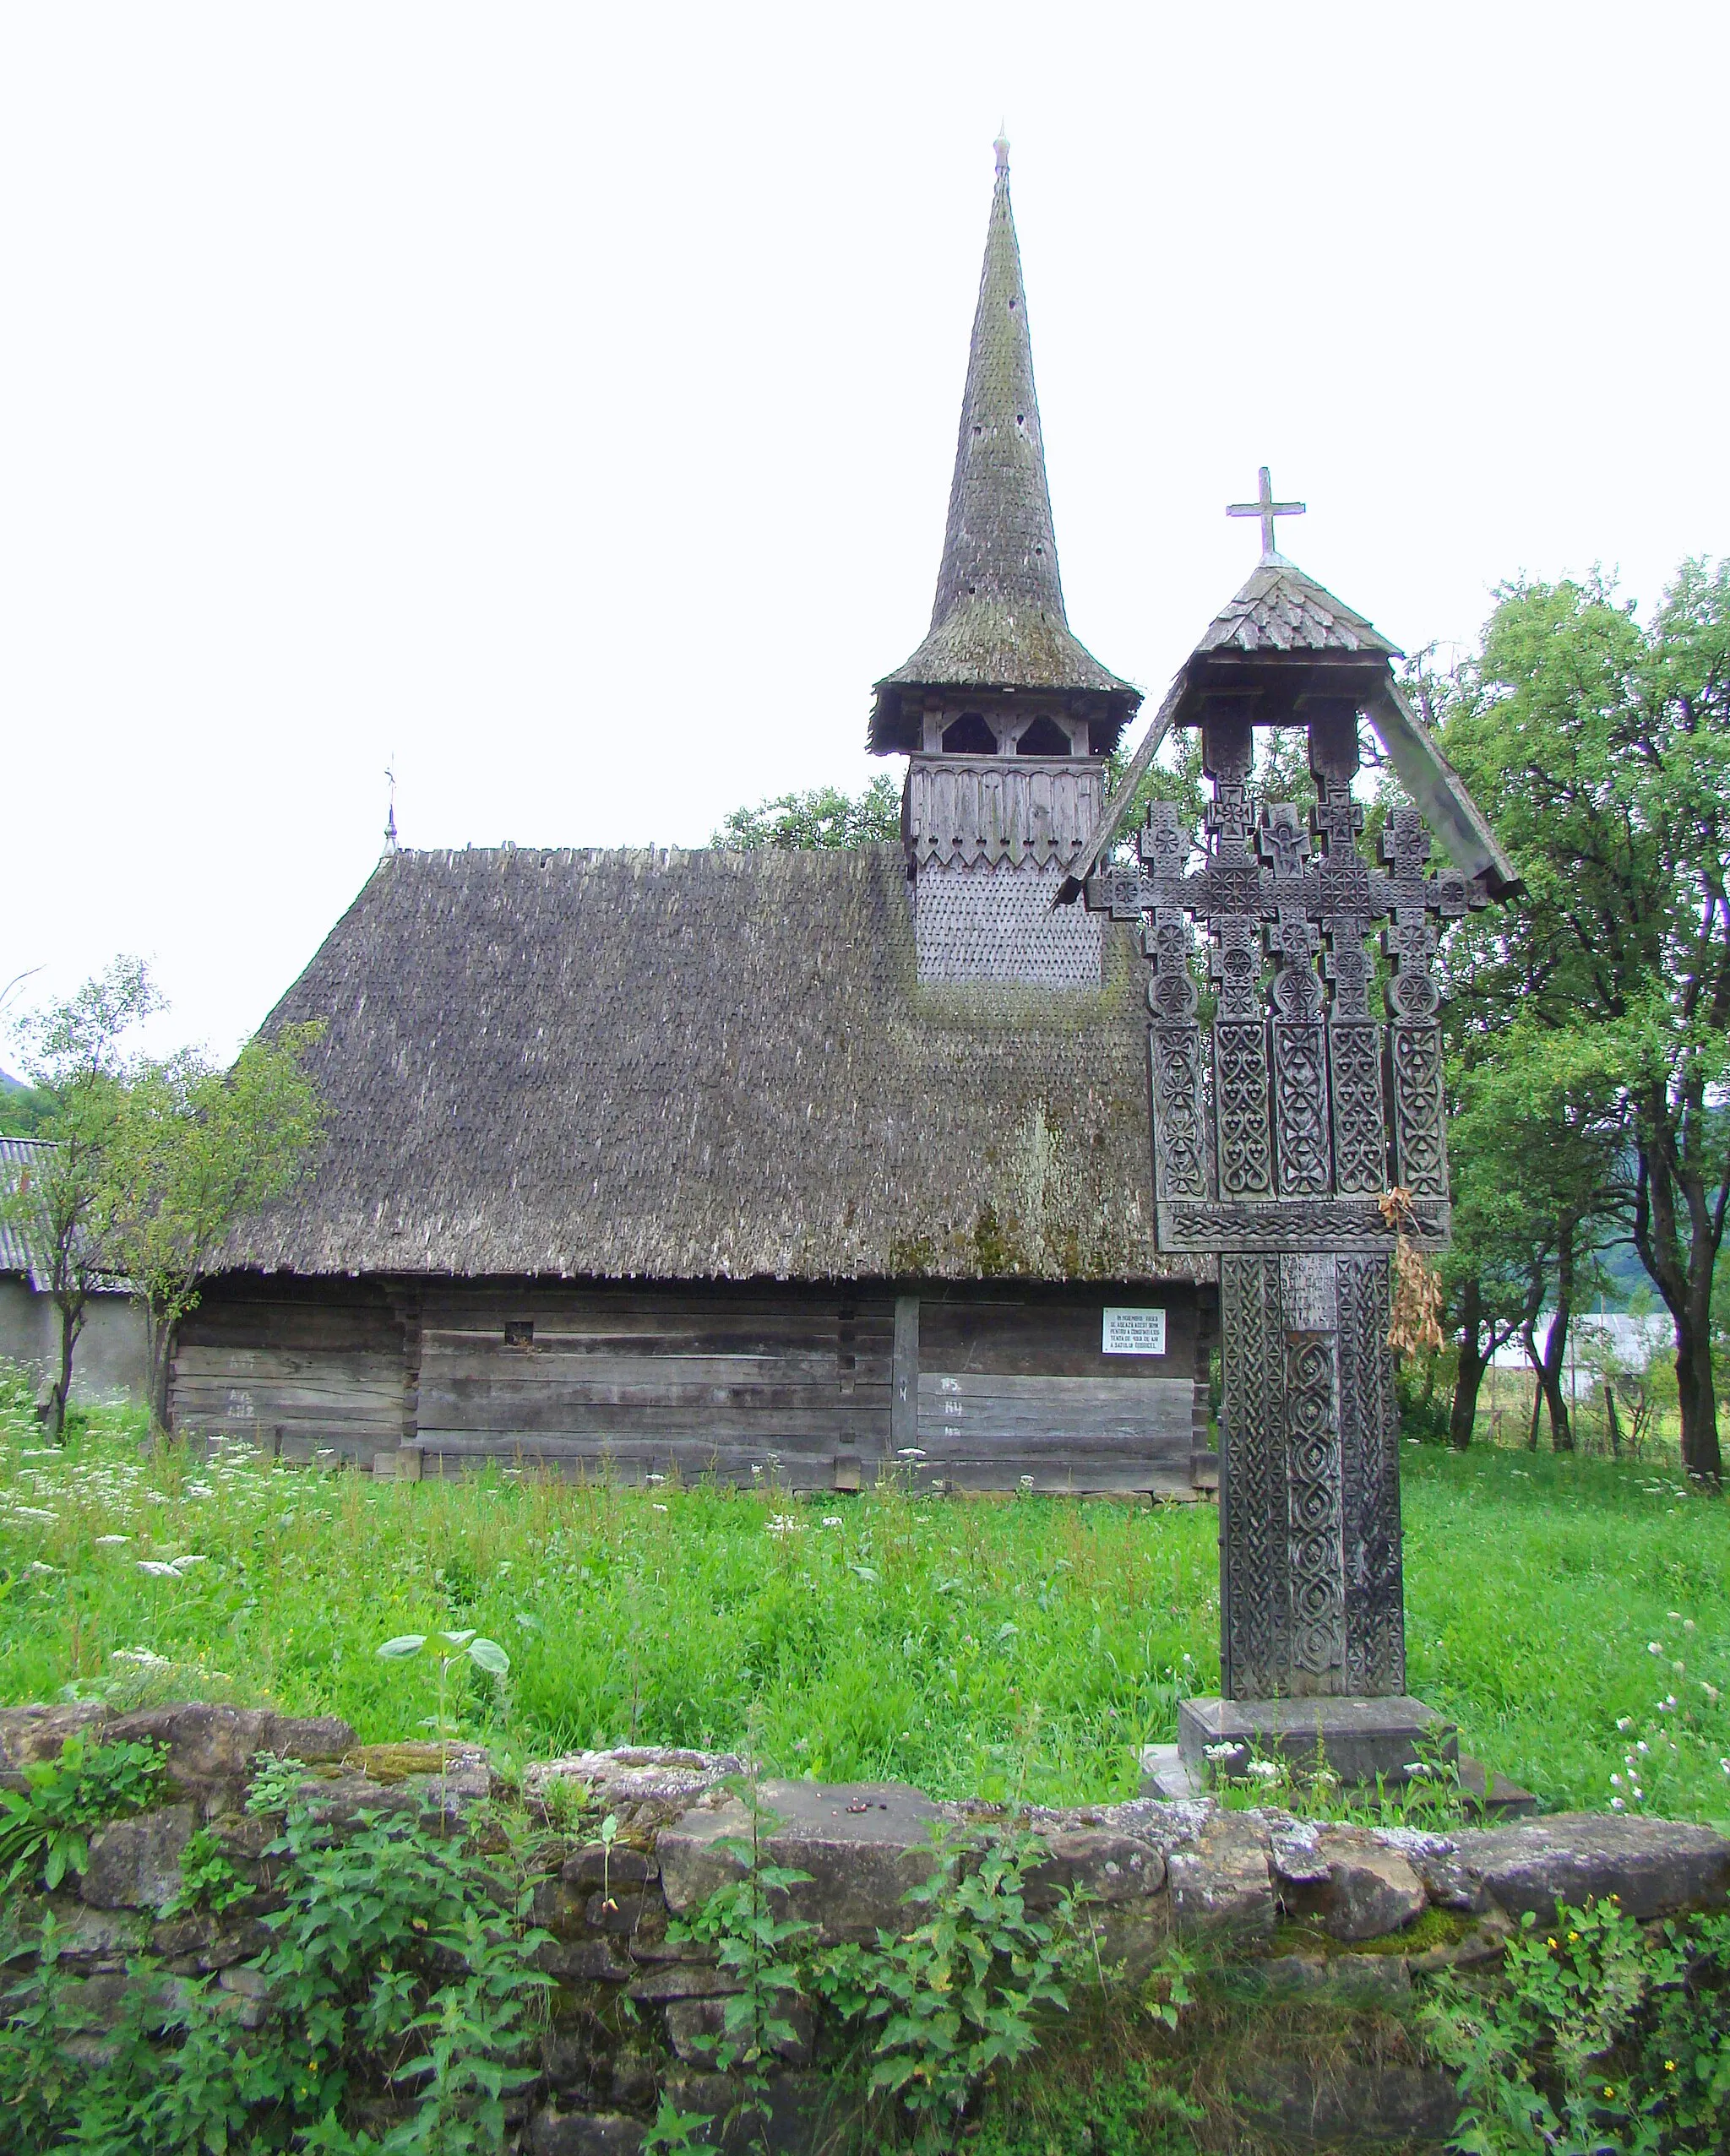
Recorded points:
999,621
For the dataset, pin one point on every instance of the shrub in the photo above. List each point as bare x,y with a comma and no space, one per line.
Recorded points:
402,2006
1596,2037
46,1829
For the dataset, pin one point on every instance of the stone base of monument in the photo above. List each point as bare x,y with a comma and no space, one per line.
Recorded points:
1364,1741
1165,1776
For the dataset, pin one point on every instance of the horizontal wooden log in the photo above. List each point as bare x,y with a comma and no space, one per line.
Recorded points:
464,1310
1158,1413
1053,1339
1084,1478
811,1469
745,1410
559,1365
744,1422
194,1363
206,1392
314,1328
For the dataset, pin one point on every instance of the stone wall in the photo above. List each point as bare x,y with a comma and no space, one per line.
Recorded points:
1229,1884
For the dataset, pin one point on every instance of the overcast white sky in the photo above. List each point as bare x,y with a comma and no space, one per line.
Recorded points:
561,400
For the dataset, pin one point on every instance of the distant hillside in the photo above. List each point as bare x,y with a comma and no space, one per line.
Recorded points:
23,1109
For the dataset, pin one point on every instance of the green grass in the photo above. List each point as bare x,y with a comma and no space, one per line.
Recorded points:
1025,1647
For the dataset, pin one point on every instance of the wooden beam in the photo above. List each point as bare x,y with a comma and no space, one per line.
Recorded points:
904,1391
1118,807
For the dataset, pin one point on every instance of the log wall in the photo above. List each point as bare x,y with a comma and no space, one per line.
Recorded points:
825,1386
303,1369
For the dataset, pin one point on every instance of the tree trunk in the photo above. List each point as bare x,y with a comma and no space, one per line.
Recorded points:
1697,1396
1462,1420
1551,1366
70,1309
160,1333
1612,1422
1682,1271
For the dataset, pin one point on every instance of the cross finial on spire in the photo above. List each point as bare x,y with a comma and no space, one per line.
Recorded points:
390,813
1267,509
1001,147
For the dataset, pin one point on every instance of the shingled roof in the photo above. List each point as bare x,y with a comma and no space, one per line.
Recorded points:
696,1065
998,620
1281,609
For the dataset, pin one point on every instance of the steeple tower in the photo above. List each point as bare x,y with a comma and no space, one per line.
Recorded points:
1005,716
999,635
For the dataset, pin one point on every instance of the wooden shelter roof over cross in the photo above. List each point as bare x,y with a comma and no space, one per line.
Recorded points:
1282,637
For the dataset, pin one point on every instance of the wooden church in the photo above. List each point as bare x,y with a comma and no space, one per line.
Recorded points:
815,1163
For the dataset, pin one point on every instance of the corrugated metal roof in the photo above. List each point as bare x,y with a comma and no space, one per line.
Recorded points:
17,1155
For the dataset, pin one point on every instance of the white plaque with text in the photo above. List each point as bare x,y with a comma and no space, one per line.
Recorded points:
1134,1332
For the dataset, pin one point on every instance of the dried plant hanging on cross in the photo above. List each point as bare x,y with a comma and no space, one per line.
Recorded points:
1417,1327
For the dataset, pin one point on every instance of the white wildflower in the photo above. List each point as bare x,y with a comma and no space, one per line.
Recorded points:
37,1566
112,1541
1617,1804
1221,1750
1655,1647
142,1657
1615,1781
35,1512
831,1519
1642,1745
1674,1615
1264,1770
660,1508
655,1481
1625,1721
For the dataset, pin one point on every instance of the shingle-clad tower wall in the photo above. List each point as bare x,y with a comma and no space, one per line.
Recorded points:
1005,716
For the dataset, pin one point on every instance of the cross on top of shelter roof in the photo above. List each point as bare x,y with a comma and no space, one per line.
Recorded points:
1267,509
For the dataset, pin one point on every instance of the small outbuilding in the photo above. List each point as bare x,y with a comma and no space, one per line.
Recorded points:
112,1360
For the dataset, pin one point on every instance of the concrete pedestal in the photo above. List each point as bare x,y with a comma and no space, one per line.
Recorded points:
1359,1740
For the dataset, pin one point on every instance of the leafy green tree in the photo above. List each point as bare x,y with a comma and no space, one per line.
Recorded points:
1599,747
74,1057
1536,1140
195,1147
825,817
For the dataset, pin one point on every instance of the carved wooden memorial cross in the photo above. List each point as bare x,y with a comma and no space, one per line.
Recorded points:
1283,1130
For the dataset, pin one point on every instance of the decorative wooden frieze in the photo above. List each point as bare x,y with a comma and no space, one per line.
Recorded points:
979,811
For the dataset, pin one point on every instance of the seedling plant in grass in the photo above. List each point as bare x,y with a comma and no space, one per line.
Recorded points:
446,1649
